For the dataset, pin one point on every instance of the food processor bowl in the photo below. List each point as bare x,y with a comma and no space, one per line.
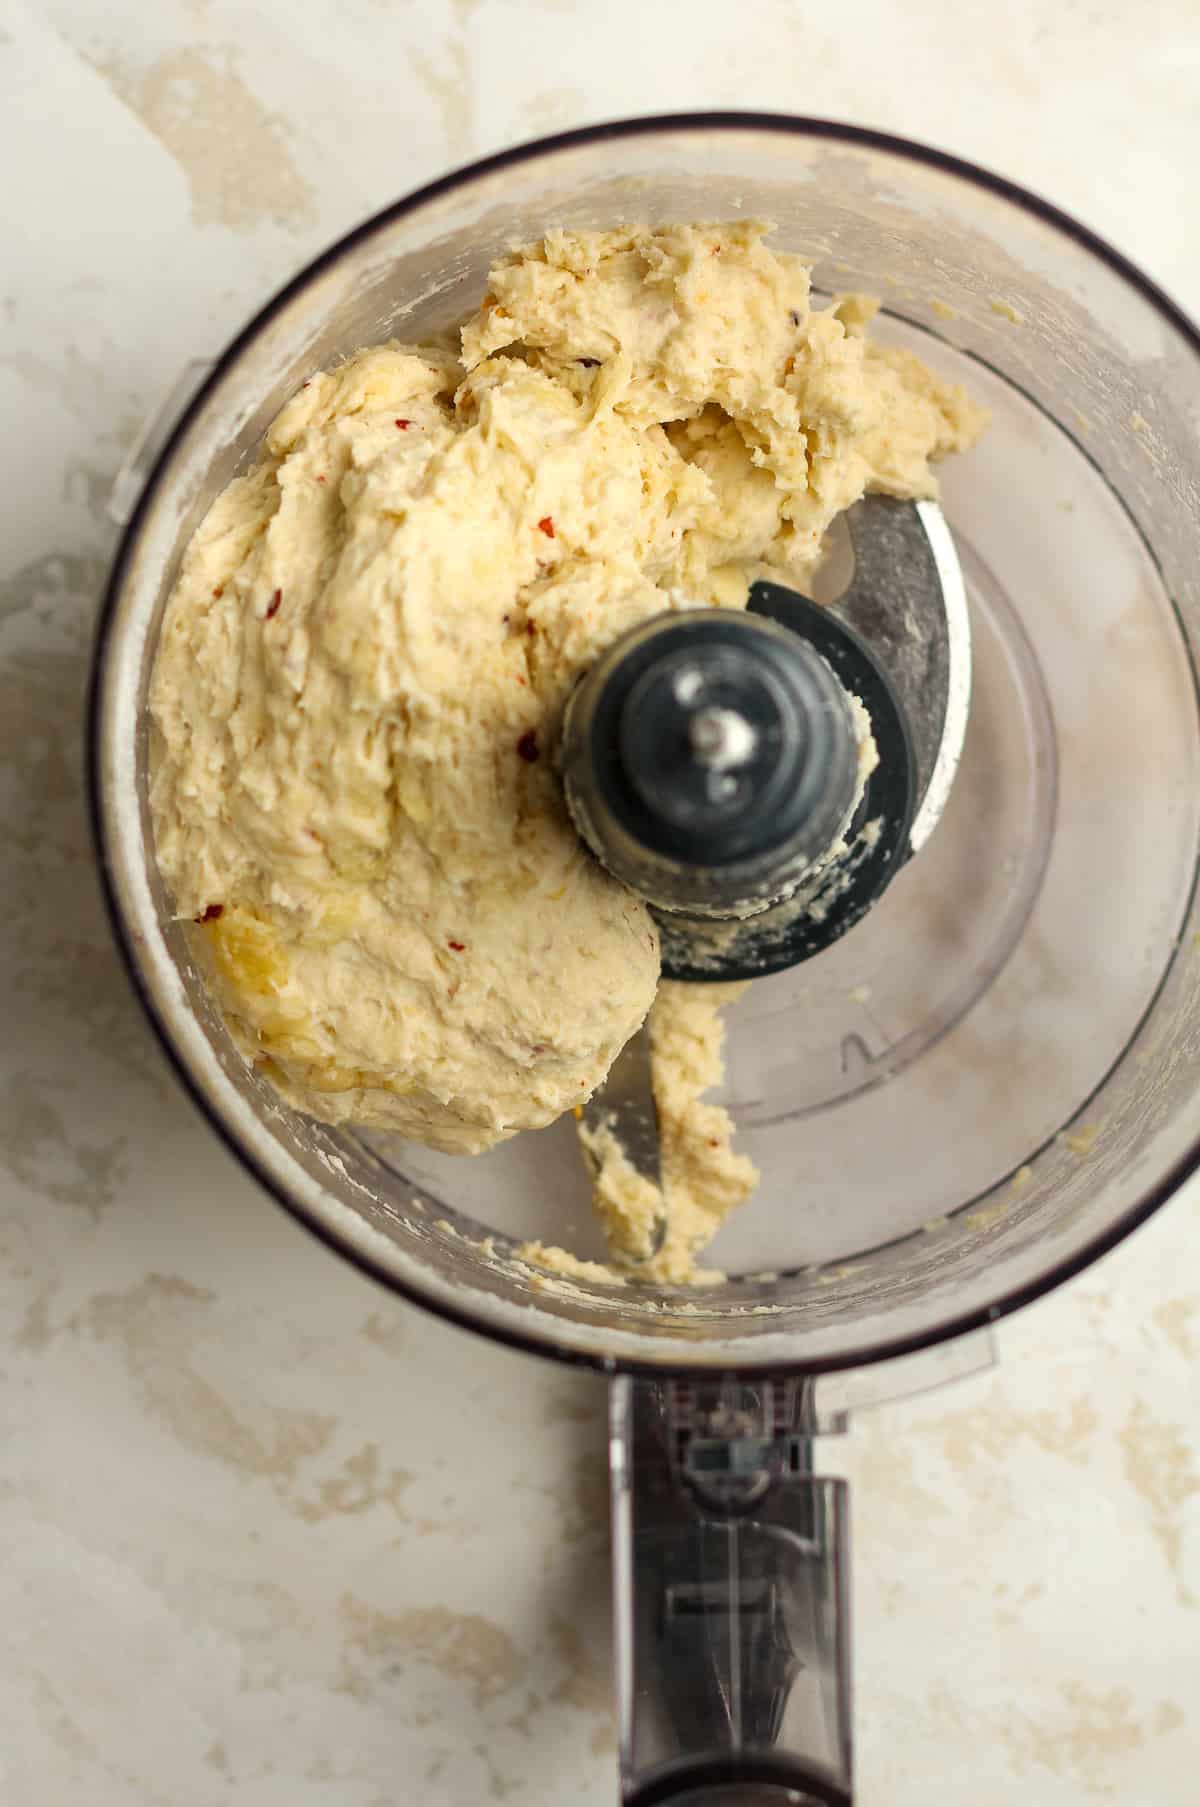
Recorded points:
993,1076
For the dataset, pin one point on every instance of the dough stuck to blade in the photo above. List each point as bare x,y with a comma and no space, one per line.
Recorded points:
703,1179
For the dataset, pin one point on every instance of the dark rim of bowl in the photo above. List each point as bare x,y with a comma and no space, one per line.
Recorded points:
799,126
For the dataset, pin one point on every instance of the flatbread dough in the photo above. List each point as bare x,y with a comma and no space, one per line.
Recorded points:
363,664
656,1232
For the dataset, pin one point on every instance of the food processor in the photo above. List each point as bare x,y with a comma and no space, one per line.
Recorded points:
973,1091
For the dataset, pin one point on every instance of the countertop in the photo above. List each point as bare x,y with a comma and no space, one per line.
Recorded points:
270,1537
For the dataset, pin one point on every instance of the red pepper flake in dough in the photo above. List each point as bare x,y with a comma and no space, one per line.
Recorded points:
460,947
219,591
546,526
404,425
273,605
211,913
321,477
528,747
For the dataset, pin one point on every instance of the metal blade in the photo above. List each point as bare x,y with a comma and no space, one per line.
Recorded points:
907,600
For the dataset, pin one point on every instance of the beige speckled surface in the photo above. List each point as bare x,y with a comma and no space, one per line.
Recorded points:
268,1536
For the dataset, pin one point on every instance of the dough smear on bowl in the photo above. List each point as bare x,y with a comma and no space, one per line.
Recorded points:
364,660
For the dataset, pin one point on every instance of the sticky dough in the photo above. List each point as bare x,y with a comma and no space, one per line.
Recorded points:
365,658
655,1233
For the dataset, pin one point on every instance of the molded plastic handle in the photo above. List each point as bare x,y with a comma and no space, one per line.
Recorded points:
731,1567
731,1597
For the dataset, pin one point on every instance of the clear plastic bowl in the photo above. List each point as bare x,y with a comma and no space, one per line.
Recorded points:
994,1077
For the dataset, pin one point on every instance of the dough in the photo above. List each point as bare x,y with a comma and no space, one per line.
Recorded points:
656,1233
365,657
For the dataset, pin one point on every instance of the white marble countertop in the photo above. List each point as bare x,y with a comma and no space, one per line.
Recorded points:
270,1537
